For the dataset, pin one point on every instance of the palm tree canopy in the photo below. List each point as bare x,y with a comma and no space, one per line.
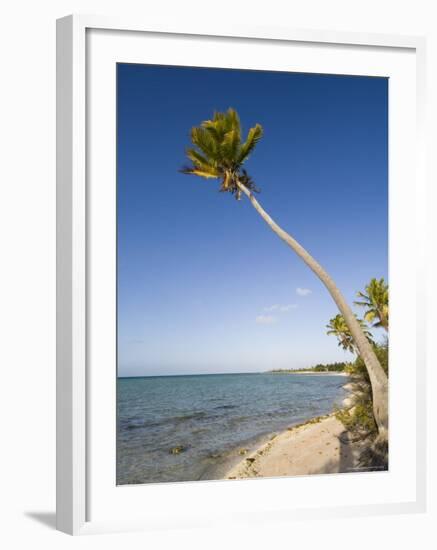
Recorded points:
337,327
219,151
375,300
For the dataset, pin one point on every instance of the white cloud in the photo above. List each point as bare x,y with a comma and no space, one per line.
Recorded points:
282,308
287,307
265,319
303,291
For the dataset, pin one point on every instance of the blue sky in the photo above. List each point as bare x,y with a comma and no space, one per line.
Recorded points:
203,284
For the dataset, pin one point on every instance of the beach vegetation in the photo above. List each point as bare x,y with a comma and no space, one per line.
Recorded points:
375,301
358,419
338,327
320,367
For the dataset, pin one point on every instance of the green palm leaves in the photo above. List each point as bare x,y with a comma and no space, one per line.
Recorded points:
337,327
375,300
219,152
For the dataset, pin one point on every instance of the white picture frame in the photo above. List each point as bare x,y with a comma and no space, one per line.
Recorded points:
74,285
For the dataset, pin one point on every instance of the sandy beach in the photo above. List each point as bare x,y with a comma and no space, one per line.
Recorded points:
320,446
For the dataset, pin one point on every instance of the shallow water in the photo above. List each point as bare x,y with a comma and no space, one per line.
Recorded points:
211,417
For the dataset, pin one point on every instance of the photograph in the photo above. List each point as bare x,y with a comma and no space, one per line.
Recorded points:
252,274
218,263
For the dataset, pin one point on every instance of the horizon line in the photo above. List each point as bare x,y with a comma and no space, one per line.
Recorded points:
187,374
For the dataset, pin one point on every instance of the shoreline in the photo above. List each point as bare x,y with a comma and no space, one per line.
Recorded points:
319,445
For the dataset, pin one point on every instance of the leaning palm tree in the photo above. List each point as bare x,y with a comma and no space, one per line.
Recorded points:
219,153
375,300
337,327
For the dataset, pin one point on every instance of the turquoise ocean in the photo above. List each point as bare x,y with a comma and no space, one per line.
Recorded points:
210,418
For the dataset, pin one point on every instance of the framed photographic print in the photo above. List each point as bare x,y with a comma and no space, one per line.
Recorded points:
240,214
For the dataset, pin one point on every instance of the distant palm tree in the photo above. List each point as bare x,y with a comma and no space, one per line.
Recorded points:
375,299
220,153
337,327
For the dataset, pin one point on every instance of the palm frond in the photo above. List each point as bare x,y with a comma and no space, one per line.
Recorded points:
254,135
233,120
219,124
199,160
370,315
230,147
206,143
199,172
210,127
337,327
376,301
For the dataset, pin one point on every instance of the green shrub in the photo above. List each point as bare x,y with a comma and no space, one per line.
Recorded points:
381,351
359,420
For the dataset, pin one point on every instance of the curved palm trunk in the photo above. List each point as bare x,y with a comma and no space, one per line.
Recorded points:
377,375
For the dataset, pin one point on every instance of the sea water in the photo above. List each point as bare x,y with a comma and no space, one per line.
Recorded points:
186,428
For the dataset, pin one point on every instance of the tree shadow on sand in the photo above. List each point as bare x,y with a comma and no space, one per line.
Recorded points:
348,459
